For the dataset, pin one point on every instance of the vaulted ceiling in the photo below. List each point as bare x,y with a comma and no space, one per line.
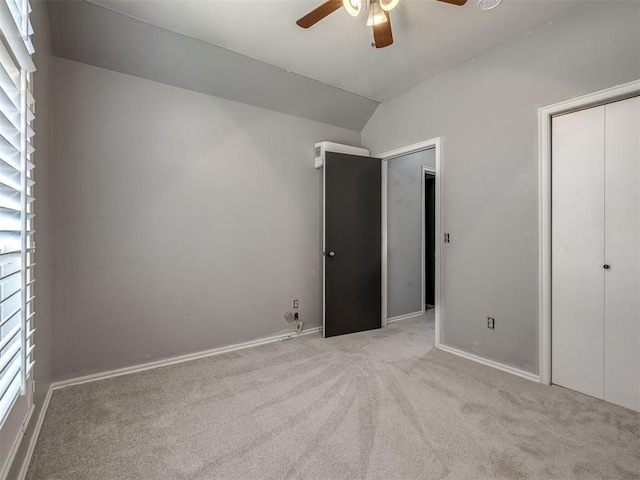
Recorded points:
327,73
429,36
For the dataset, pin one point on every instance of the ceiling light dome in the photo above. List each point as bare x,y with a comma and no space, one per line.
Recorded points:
376,15
352,6
388,4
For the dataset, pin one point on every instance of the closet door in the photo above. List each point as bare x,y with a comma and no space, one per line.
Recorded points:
622,254
578,248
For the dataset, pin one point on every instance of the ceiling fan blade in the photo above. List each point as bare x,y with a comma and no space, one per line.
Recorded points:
382,35
454,2
319,13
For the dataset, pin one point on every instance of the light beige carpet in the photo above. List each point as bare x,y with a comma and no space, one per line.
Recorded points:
375,405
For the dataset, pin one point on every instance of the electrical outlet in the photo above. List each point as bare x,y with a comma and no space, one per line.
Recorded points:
295,304
491,323
289,317
299,326
295,316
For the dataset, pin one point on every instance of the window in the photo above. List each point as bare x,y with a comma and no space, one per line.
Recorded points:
16,203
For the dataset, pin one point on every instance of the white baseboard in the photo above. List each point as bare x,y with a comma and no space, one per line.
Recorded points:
178,359
34,438
217,351
490,363
16,445
405,317
139,368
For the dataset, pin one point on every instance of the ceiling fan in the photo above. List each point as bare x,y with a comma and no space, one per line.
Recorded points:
377,17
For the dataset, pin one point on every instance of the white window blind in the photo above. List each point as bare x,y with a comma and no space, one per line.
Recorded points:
17,112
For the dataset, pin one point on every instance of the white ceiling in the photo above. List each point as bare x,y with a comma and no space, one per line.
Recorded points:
429,36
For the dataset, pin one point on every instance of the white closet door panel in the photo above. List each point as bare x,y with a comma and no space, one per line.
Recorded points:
622,253
578,250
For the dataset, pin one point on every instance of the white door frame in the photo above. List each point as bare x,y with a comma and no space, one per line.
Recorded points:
386,156
545,115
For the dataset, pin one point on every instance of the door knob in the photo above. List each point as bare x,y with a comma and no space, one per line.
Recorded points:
606,267
332,254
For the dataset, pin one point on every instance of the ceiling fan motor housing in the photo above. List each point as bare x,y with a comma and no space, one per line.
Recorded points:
488,4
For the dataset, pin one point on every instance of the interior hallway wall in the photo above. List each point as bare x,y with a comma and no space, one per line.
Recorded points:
405,203
183,221
485,111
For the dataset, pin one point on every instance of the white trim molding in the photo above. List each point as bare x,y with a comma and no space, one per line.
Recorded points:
405,317
384,219
436,144
178,359
415,147
545,114
490,363
16,445
34,437
140,368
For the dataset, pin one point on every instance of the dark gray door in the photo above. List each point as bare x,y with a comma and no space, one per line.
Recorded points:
352,244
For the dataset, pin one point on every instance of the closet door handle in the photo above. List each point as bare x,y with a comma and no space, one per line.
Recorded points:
606,267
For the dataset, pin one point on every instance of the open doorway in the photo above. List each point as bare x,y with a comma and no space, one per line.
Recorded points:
429,236
411,252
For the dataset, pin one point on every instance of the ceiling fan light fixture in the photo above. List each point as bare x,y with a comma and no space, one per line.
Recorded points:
388,5
488,4
352,6
376,15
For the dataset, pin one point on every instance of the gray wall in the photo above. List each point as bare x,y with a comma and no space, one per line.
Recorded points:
182,221
42,206
405,202
486,113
